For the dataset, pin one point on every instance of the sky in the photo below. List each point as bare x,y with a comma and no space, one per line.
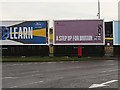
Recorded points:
57,9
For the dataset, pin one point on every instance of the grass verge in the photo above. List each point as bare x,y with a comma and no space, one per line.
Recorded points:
52,59
40,59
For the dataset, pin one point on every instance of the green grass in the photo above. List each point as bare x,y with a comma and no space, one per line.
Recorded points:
40,59
52,59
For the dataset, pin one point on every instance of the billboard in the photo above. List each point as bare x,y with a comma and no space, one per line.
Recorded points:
79,32
24,33
116,32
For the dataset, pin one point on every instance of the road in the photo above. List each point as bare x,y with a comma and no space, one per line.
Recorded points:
72,74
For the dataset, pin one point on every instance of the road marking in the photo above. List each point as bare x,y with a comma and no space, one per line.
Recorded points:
102,84
18,64
45,63
50,62
113,70
23,76
110,70
104,71
9,77
26,84
28,72
25,73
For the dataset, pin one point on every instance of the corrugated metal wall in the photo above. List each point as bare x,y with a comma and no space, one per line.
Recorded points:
117,51
64,50
25,50
95,51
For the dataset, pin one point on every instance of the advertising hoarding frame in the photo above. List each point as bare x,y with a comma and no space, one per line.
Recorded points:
48,33
114,33
78,43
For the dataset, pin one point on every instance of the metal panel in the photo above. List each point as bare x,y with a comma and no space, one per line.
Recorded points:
116,32
79,32
24,33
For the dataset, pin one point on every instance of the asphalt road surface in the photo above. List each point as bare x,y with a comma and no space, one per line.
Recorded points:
73,74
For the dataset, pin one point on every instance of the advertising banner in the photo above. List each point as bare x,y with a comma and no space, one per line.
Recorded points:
116,32
24,33
79,32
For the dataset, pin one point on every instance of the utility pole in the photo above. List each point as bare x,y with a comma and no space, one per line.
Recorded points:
98,9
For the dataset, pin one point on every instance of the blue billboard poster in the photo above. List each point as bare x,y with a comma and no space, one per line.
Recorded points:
116,33
24,33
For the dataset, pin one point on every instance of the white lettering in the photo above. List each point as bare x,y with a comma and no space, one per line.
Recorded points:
30,36
11,33
85,38
15,32
74,38
21,32
25,32
69,38
57,38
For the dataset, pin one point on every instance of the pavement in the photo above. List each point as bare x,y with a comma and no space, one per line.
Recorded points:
69,74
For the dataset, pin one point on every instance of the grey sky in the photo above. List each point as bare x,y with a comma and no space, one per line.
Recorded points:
53,9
